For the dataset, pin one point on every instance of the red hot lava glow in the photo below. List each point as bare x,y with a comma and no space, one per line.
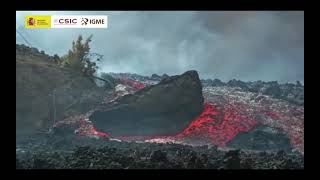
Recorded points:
87,129
132,83
218,125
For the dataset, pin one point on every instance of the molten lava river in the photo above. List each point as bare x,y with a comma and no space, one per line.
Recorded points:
226,114
212,126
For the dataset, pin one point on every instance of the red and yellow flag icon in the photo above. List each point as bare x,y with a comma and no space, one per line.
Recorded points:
37,21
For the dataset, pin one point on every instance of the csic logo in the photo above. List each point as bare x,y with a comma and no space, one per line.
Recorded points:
31,21
66,21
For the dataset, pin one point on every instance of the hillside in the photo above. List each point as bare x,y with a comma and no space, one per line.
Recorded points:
46,92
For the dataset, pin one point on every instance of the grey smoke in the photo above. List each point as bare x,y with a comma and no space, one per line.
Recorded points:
219,44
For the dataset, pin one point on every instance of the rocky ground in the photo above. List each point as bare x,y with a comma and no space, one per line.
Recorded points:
65,153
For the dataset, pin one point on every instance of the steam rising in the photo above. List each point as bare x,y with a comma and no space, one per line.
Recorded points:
242,45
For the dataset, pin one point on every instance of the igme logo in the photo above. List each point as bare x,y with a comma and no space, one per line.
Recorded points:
84,21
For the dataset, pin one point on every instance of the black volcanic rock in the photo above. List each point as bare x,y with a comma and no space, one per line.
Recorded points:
98,154
164,76
210,82
155,77
262,138
162,109
292,93
237,83
217,82
232,159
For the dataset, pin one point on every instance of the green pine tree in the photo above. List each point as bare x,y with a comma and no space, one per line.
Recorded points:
78,57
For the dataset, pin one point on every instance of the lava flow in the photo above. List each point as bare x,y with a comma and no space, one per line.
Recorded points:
213,126
227,112
87,129
132,83
218,126
81,126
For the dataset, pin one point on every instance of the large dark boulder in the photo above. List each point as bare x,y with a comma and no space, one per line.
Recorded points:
162,109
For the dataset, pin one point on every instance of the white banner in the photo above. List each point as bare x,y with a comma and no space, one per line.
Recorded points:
75,21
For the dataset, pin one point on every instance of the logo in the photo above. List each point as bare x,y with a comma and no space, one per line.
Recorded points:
31,22
79,21
84,21
66,21
37,21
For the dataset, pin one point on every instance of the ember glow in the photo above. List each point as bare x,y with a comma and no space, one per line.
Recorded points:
83,127
218,126
87,129
135,84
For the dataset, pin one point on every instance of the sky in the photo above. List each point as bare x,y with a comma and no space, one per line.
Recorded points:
244,45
